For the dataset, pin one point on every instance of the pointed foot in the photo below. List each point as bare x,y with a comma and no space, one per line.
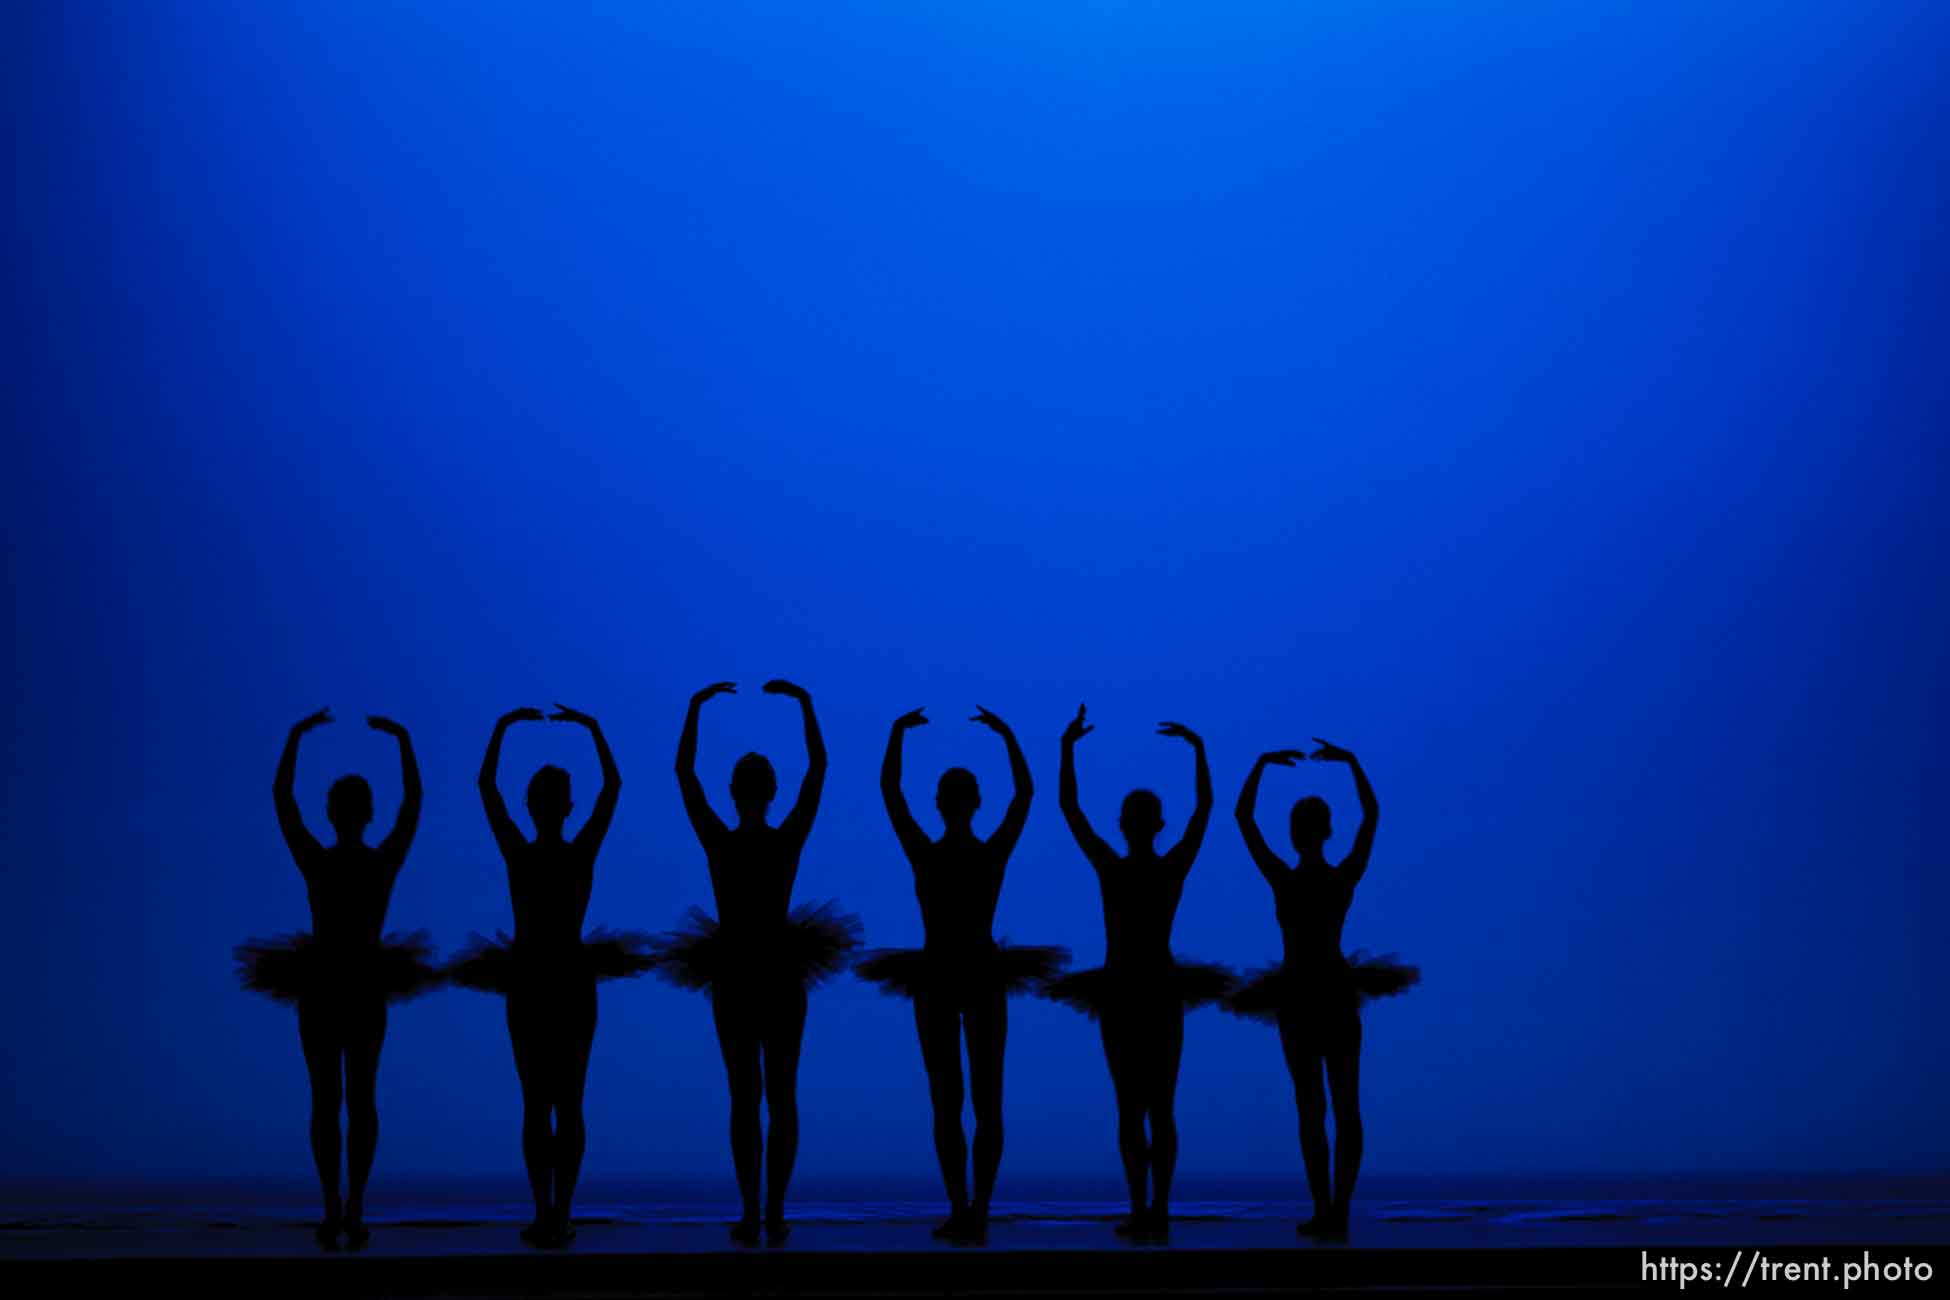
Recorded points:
964,1227
1324,1227
745,1231
776,1230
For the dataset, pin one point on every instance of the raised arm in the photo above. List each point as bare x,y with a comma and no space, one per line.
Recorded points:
1356,861
1014,817
590,837
798,822
906,829
290,820
1186,850
1264,858
1093,846
506,834
393,848
704,821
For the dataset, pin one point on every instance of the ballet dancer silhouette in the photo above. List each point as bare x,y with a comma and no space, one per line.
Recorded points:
757,959
1315,994
548,971
962,978
1140,994
343,973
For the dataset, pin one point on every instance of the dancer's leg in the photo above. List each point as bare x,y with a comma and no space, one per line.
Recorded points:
319,1033
738,1043
784,1031
365,1035
938,1023
986,1022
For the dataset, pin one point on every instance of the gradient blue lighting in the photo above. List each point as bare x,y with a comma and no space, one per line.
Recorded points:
1546,402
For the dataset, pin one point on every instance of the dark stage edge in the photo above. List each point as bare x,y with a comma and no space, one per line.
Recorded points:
1345,1271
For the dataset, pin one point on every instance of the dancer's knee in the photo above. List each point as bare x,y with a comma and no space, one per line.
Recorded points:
781,1095
946,1099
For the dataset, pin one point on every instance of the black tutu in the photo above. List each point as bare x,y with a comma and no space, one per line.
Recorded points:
1330,989
1191,983
1011,968
814,944
500,965
293,967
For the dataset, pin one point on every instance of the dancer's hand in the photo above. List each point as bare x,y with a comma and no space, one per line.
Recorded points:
387,725
989,720
1076,730
715,688
1330,752
318,719
1283,757
780,686
912,718
563,713
521,715
1179,731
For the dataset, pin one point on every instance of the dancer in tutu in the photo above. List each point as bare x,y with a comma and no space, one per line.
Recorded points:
961,980
1315,994
548,971
343,973
757,959
1140,993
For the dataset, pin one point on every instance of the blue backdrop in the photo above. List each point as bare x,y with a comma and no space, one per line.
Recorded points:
1546,403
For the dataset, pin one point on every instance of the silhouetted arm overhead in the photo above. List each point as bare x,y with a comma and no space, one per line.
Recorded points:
506,834
1093,846
590,837
1356,861
704,821
1186,850
1017,813
300,841
798,822
392,849
1264,858
913,839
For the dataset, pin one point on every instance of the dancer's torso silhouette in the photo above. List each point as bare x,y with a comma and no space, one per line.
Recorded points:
1140,895
1310,902
549,882
349,887
958,882
753,867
